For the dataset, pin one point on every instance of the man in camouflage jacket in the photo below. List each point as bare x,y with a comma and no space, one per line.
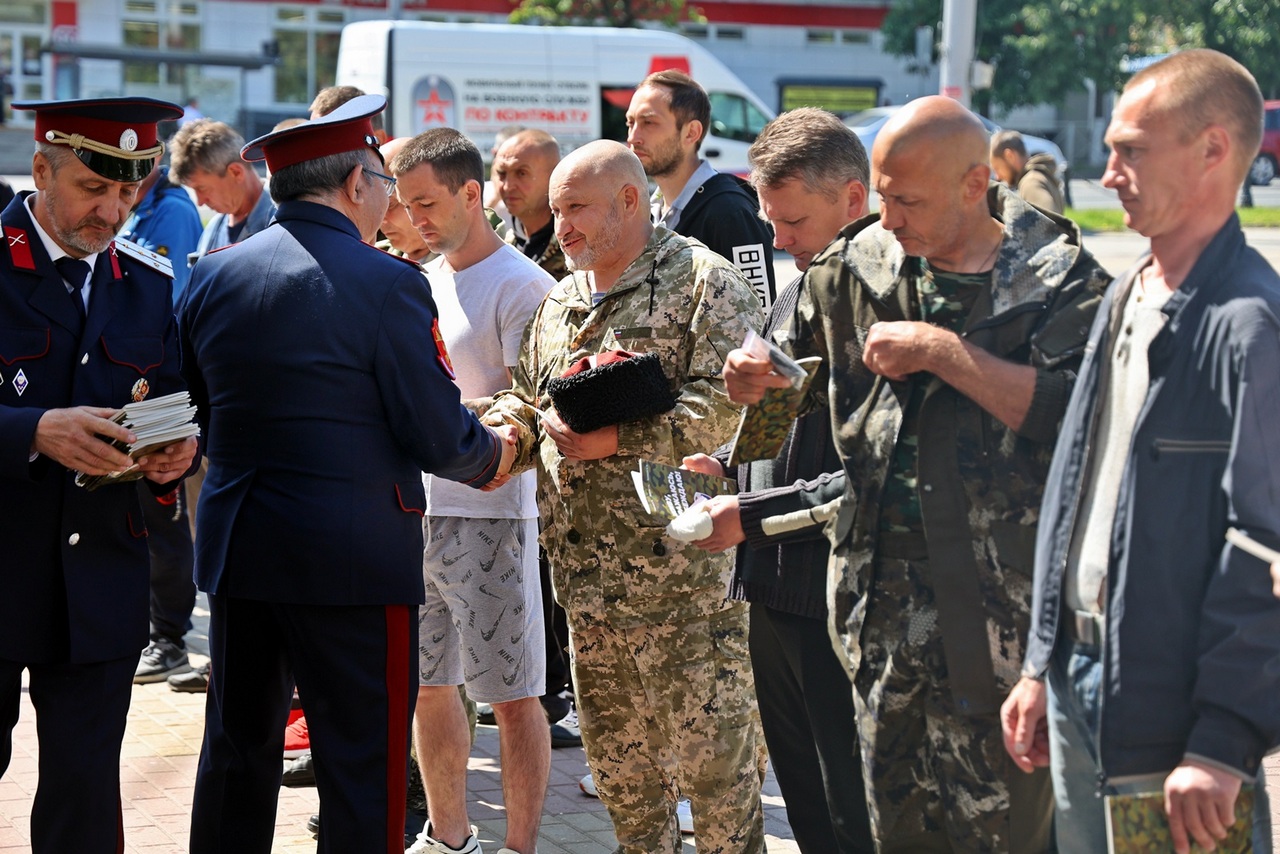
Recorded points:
664,689
945,429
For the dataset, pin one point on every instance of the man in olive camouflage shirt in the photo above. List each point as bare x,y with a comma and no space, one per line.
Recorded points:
950,330
664,687
522,172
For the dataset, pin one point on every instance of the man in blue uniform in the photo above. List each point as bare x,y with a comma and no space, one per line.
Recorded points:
88,325
166,222
325,389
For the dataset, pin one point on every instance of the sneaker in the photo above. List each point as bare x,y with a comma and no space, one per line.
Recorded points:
565,732
161,658
684,814
485,715
297,741
194,681
426,845
588,787
299,773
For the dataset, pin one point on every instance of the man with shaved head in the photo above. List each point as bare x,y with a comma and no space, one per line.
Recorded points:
522,172
1169,443
950,331
660,665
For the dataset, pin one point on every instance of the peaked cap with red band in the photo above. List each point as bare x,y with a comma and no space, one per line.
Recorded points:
348,128
115,137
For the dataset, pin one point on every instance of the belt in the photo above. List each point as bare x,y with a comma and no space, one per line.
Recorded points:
1085,627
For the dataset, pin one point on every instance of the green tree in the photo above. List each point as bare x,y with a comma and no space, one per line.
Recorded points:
1242,29
1041,49
613,13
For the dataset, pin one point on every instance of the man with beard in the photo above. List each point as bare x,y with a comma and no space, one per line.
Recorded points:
88,325
668,118
664,687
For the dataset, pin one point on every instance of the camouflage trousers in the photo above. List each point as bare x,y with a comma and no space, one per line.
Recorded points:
668,711
938,780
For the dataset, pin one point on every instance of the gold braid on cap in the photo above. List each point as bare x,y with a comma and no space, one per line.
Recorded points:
78,141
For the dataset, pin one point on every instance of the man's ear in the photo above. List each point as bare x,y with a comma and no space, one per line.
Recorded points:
856,194
473,194
236,169
691,132
41,171
354,186
976,181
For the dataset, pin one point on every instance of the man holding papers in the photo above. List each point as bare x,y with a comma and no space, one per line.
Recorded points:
88,326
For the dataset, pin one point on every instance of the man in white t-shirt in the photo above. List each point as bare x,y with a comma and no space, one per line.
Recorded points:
482,621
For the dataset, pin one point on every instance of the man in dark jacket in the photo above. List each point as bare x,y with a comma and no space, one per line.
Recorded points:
1168,441
811,174
667,120
88,324
324,395
1034,178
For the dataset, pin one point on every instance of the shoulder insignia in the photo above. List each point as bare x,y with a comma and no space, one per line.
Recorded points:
19,248
387,251
151,259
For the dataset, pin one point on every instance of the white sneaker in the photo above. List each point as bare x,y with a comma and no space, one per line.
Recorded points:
424,844
588,786
684,814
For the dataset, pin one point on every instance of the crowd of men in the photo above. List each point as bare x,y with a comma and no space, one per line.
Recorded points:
984,583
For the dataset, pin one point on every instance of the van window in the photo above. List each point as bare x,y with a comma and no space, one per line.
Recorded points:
734,117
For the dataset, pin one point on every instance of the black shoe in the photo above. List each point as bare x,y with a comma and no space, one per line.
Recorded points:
161,658
299,773
313,825
192,682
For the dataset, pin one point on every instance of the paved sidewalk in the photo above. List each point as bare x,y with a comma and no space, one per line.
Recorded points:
162,743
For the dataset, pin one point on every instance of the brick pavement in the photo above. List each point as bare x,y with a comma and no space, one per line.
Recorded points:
162,743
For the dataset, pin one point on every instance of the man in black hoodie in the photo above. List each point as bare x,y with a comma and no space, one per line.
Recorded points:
668,118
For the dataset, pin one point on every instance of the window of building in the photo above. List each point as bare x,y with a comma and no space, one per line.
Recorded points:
855,36
694,31
23,11
308,41
730,34
151,25
820,36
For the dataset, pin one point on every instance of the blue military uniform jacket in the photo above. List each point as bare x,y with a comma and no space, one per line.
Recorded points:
74,584
323,396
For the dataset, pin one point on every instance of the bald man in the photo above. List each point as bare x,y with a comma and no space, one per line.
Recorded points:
950,330
664,687
522,172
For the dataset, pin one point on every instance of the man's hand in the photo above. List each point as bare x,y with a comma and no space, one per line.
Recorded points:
1026,729
170,463
1201,803
746,377
726,521
507,436
896,349
703,464
70,437
595,445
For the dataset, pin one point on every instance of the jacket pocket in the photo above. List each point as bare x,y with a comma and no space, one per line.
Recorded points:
132,360
1015,545
19,345
412,498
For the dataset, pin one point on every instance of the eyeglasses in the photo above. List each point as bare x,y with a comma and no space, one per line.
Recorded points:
391,182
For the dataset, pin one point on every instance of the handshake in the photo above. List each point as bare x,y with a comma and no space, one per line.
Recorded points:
506,436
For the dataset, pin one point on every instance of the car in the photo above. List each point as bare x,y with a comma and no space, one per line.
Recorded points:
1263,170
867,124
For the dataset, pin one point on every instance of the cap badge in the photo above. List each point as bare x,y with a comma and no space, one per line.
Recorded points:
129,139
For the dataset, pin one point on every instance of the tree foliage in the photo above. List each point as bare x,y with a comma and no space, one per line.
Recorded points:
613,13
1045,49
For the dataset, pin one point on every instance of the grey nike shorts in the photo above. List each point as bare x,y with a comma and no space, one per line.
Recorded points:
482,622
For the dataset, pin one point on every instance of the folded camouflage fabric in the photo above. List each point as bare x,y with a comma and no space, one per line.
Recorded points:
620,387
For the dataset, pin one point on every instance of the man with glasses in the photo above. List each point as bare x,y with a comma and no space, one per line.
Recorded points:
323,397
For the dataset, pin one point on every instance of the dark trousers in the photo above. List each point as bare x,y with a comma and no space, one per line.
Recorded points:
555,626
356,672
173,591
810,727
80,718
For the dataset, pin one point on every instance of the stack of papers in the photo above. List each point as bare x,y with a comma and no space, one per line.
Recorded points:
157,423
666,491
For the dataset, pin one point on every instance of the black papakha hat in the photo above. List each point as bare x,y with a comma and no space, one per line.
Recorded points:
115,137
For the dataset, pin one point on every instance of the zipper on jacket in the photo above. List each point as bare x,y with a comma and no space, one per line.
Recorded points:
1189,446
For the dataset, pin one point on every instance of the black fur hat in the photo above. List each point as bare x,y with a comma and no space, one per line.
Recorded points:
621,387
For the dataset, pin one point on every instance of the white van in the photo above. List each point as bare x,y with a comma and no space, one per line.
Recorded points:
574,82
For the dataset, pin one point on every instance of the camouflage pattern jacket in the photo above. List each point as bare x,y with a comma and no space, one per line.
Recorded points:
610,560
551,258
980,482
